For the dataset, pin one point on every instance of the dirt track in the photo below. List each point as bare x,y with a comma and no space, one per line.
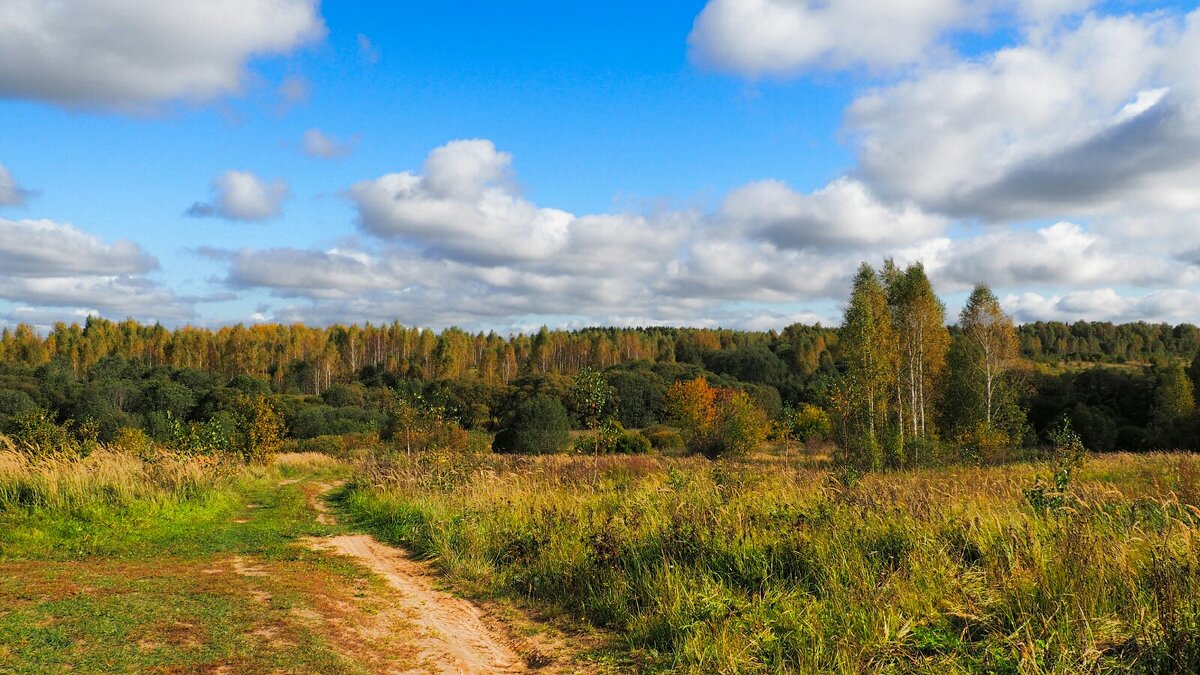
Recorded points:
454,638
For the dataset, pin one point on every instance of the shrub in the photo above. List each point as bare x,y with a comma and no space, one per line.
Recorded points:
741,426
133,441
261,430
665,439
413,426
810,423
538,426
35,432
632,443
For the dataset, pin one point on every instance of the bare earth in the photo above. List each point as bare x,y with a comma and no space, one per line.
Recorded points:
453,634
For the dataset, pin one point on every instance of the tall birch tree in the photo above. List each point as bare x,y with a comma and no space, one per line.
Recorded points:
992,341
866,340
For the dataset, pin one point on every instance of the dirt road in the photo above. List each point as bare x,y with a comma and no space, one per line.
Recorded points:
454,635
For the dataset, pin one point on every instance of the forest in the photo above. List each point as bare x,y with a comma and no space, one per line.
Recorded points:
899,383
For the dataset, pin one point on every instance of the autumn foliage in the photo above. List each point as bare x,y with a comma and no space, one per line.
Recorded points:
716,421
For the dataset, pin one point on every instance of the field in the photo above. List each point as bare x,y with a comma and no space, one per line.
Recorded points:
114,563
768,565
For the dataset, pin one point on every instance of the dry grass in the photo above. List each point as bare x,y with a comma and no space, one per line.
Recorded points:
772,564
104,477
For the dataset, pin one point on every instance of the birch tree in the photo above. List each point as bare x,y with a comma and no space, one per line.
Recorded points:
922,341
993,345
867,341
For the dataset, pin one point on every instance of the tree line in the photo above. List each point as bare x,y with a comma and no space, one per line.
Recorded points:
899,383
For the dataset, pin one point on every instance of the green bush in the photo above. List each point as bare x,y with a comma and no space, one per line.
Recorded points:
665,439
632,443
538,426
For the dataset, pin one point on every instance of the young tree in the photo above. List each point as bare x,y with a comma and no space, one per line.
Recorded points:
1174,408
740,426
992,343
592,397
538,426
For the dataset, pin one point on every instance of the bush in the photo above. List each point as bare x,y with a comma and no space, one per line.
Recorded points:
414,426
133,441
261,430
632,443
35,432
538,426
665,439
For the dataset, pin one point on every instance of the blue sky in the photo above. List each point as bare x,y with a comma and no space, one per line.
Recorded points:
720,163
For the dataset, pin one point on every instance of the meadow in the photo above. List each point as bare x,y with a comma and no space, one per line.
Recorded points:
114,560
768,564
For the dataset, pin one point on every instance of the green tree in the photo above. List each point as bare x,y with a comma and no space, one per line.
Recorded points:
740,425
867,342
1174,409
921,344
538,426
592,398
261,430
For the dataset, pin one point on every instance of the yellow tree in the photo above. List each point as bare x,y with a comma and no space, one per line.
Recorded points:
691,405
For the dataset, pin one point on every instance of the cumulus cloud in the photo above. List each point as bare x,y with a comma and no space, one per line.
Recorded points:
48,264
456,243
843,214
241,195
129,54
317,143
1096,119
786,37
43,248
1057,255
11,194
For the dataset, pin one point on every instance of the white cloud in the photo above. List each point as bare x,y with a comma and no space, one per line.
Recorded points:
47,264
293,91
367,50
783,37
1063,254
457,244
241,195
317,143
1170,305
133,53
43,248
758,38
843,214
1097,119
11,194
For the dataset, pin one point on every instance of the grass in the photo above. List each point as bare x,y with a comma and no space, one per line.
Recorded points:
773,565
112,563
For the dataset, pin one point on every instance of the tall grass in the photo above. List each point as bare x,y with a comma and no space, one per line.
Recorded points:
102,479
769,565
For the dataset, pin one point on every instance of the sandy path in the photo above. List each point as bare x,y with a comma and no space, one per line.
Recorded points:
453,635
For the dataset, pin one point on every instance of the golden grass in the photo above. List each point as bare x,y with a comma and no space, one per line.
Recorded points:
105,476
772,564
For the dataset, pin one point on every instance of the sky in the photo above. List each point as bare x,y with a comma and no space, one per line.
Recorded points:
506,165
